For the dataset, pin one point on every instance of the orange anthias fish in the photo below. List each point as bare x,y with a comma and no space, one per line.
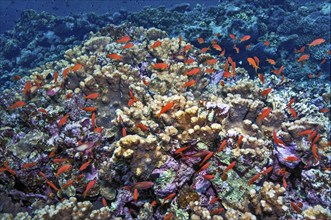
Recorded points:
27,87
114,56
268,170
266,43
212,61
85,165
16,105
233,37
76,67
252,62
217,211
253,179
303,58
124,39
204,50
93,119
88,187
212,201
92,96
189,83
277,72
244,38
182,149
63,169
135,195
187,47
314,150
316,42
189,61
67,184
236,48
295,207
63,120
271,61
277,141
265,113
305,132
143,185
231,165
291,159
29,165
293,112
90,109
204,167
201,40
168,216
257,60
261,77
104,202
169,197
217,47
193,71
266,92
166,108
142,127
207,157
160,66
290,102
301,50
156,44
240,139
128,45
208,177
123,132
52,185
65,73
222,146
56,75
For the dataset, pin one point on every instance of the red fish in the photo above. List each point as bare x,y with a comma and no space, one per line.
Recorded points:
212,61
193,71
207,158
156,44
265,113
324,110
142,127
208,177
128,45
291,159
52,185
187,47
204,50
295,207
88,187
236,48
277,141
217,47
290,102
252,62
165,108
305,132
65,73
52,153
143,185
93,119
63,169
98,129
231,165
253,179
104,202
293,112
240,139
233,37
63,120
160,66
56,75
76,67
114,56
124,39
268,170
266,92
316,42
244,38
16,105
261,77
90,109
59,160
27,87
85,165
266,43
123,132
301,50
204,167
169,197
201,40
212,201
278,72
222,146
168,216
316,139
29,165
42,110
314,150
67,184
92,96
303,58
271,61
135,195
248,46
189,84
189,61
217,211
257,60
182,149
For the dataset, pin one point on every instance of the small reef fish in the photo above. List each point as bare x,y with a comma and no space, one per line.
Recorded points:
169,197
143,185
303,58
315,153
291,159
160,66
16,105
233,37
27,87
92,96
182,149
135,195
124,39
236,48
207,158
305,132
76,67
128,45
65,73
189,83
212,61
257,60
90,109
193,71
208,177
42,110
189,61
204,167
63,120
56,75
296,208
316,42
231,165
200,40
217,47
222,146
271,61
290,102
52,153
245,38
278,72
166,108
114,56
59,160
88,187
63,169
67,184
266,92
261,77
187,47
293,112
265,113
29,165
301,50
85,165
212,201
104,202
217,211
142,127
156,44
252,62
253,179
266,43
204,50
266,171
168,216
52,185
93,119
240,139
123,132
277,141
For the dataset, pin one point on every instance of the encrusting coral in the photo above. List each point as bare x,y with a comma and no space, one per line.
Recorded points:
139,125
